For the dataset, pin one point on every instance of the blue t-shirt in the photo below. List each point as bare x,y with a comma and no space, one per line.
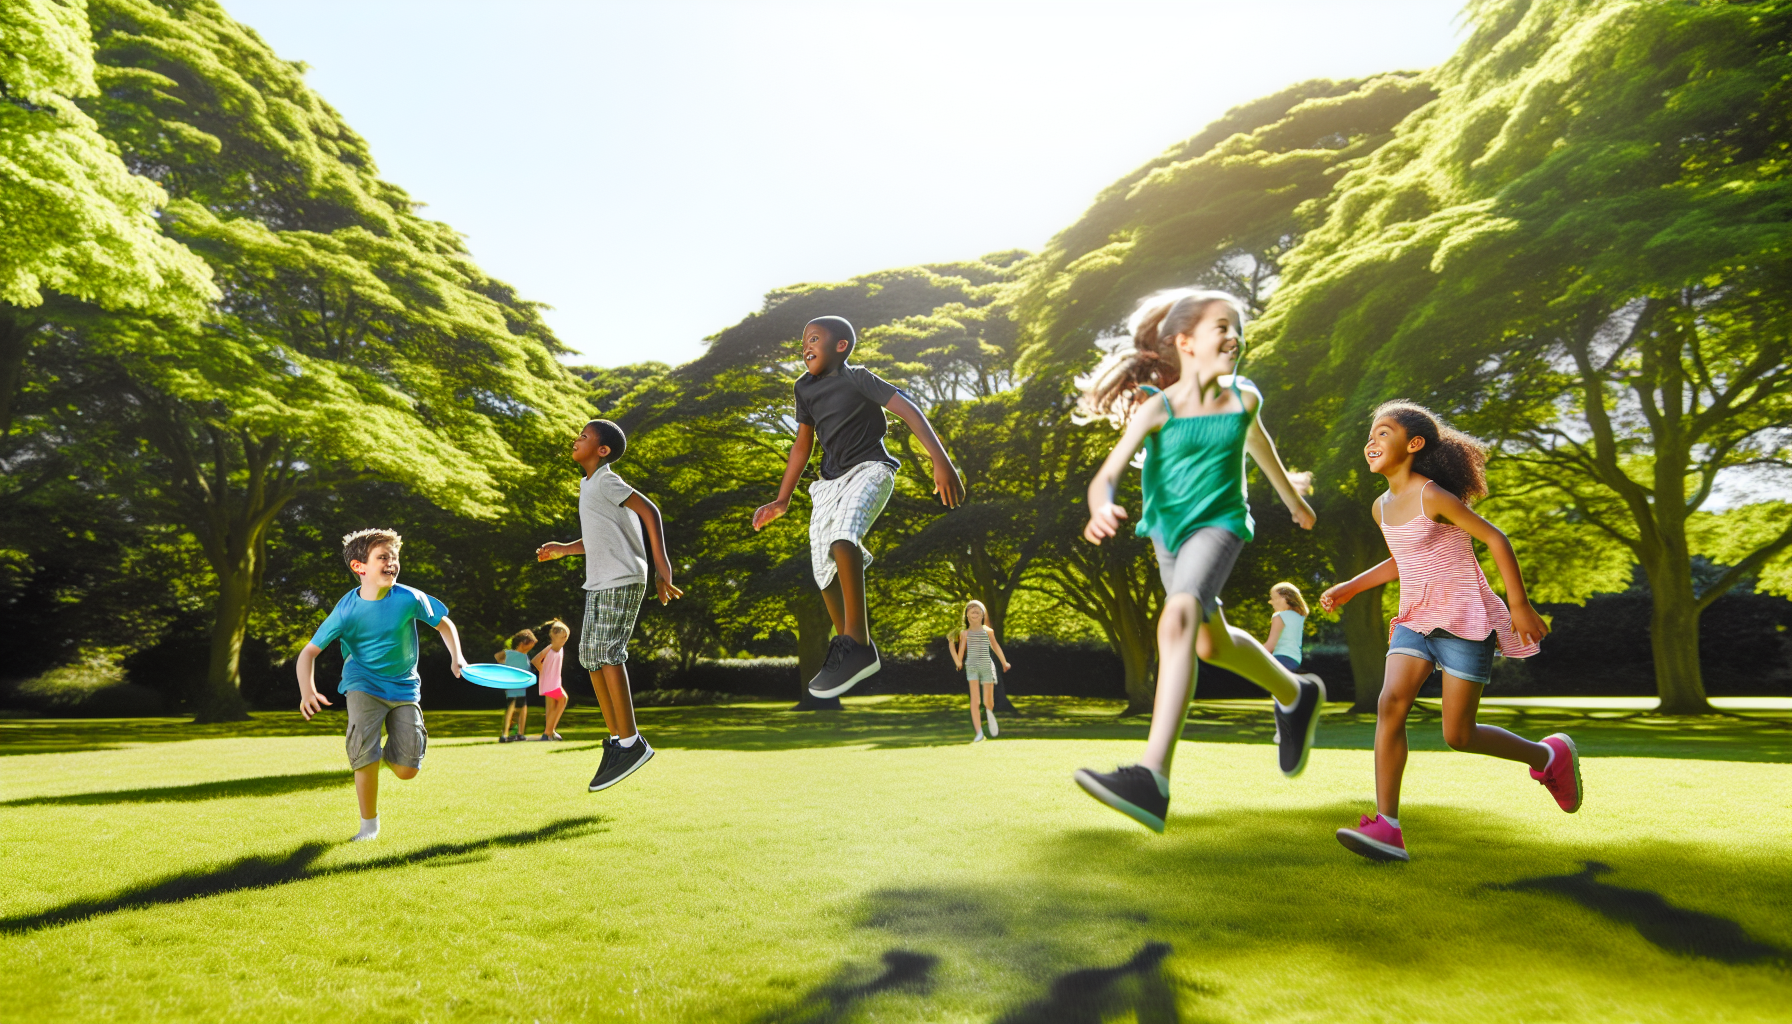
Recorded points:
379,640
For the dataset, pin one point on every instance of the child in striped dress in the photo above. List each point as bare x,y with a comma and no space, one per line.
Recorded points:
970,652
1449,617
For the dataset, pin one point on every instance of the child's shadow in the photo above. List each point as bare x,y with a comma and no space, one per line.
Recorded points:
1675,929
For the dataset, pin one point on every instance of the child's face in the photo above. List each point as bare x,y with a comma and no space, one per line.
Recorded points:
380,568
1214,340
557,639
1277,601
974,615
820,352
1389,447
587,448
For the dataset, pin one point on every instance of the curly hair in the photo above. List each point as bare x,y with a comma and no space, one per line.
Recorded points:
1455,460
1153,359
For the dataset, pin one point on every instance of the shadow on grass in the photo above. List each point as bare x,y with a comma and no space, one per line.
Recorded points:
281,869
1675,929
266,785
1091,995
837,999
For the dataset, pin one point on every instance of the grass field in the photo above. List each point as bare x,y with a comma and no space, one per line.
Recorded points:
870,866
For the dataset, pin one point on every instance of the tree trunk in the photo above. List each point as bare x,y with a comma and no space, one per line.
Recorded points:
813,630
221,699
15,341
1674,637
1137,641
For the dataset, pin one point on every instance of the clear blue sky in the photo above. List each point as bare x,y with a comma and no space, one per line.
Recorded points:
651,169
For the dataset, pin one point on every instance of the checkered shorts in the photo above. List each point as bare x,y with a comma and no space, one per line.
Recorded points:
609,622
844,509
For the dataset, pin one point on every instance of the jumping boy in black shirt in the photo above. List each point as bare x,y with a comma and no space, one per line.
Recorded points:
844,405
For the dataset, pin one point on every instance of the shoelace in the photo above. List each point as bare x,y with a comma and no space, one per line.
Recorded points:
836,651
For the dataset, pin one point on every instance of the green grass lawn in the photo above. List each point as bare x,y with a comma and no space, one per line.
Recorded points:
870,866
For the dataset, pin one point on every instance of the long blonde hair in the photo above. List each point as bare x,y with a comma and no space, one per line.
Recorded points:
1153,359
1291,594
964,622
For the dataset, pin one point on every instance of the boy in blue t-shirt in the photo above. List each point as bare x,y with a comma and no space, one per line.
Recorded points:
377,626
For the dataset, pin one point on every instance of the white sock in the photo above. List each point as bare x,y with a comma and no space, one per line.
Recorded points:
630,741
614,738
370,829
1392,821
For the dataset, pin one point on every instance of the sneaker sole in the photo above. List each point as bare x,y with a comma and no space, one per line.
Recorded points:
632,770
1312,730
864,673
994,731
1126,807
1580,792
1374,849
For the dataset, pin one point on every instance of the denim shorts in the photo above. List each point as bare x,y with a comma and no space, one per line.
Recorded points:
1468,660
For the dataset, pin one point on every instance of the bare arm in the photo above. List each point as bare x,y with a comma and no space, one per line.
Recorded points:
451,640
793,471
557,549
1525,620
1104,515
1257,442
958,643
946,482
656,538
996,647
1275,632
1339,595
310,701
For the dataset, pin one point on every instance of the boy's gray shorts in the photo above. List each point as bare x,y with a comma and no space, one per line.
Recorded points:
1200,567
406,738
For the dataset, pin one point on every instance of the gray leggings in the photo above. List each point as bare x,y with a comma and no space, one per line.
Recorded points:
1200,566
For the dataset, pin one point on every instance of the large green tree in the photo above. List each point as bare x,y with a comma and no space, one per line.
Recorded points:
1580,248
76,226
354,340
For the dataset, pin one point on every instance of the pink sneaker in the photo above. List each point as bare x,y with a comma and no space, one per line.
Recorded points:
1562,777
1374,838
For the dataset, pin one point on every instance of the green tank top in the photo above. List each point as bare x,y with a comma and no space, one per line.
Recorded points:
1194,475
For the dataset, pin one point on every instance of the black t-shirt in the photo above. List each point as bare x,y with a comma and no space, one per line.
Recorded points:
846,408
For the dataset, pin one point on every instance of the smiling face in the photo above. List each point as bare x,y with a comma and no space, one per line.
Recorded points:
973,616
1389,446
381,567
821,352
1212,345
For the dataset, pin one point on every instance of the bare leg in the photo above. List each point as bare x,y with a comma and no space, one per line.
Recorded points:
556,708
1234,650
603,700
1461,699
522,717
1175,680
989,696
367,790
849,576
1400,684
976,709
622,703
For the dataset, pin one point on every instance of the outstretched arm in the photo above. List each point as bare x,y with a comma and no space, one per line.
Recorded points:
946,482
1257,442
1338,596
1104,515
793,471
1525,621
656,538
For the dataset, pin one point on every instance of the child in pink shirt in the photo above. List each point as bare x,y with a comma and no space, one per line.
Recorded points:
547,669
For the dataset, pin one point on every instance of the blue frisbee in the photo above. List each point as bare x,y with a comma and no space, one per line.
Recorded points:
498,677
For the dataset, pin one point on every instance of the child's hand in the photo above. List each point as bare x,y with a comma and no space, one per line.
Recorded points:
1304,516
1104,521
666,590
1006,666
764,514
1334,598
1301,481
551,550
947,485
457,663
311,703
1528,624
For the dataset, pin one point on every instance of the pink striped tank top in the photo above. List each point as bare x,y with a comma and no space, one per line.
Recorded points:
1442,585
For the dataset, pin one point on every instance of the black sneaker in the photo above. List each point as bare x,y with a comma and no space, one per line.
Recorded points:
1132,790
848,663
621,763
1295,726
603,762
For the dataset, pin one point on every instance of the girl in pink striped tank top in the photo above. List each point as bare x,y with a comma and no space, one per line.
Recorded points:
1449,617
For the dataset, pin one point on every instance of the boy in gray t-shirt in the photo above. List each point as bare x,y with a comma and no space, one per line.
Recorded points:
612,518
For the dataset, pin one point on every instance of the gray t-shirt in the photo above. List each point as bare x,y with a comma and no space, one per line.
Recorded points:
615,551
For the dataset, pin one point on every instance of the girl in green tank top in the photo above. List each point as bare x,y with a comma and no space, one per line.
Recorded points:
1196,418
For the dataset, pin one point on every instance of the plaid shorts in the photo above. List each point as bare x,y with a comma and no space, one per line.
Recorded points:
844,509
609,622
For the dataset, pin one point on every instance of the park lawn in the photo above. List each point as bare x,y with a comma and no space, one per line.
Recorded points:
869,865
